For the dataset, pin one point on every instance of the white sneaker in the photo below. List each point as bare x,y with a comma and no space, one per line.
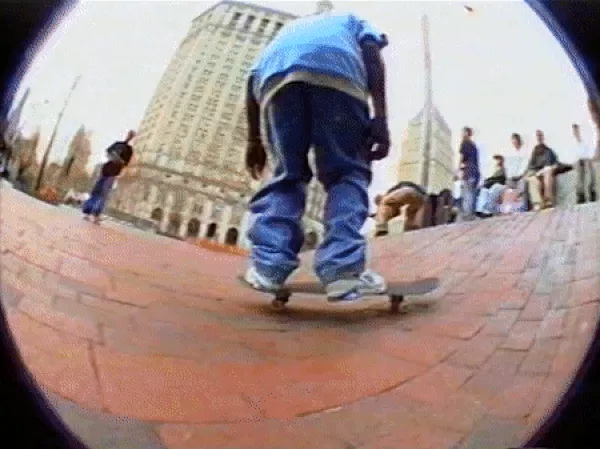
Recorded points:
368,283
372,283
259,282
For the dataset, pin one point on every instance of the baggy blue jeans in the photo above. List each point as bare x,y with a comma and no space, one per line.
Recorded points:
98,196
334,124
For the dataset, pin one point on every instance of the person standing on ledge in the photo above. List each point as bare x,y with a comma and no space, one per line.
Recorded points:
311,88
119,156
585,156
469,164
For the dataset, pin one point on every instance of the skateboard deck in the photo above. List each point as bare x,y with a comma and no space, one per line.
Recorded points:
396,291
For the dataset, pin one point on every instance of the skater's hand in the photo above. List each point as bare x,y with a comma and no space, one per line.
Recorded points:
256,158
378,140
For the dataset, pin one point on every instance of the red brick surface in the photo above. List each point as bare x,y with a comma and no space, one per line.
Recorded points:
160,331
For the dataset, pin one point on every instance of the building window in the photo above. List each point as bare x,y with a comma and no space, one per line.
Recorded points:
235,19
264,23
249,22
278,26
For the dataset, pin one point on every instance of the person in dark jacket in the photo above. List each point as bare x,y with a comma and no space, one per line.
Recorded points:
469,160
119,156
490,194
541,171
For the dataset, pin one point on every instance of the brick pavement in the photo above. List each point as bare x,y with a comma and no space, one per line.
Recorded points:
147,341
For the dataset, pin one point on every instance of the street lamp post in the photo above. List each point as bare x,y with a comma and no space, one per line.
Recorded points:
40,176
428,109
426,130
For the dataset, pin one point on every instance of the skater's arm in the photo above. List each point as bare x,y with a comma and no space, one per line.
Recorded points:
252,111
376,75
463,154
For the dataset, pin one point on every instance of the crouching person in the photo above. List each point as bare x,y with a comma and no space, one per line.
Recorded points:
390,205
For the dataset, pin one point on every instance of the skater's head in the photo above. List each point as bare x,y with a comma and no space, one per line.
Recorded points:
516,140
539,135
130,135
499,160
576,131
467,133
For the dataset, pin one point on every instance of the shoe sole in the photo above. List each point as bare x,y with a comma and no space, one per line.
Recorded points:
336,291
256,286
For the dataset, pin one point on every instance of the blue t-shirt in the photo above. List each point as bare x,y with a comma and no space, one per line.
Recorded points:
471,160
323,44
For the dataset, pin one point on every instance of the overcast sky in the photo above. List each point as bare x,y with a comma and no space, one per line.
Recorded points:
498,70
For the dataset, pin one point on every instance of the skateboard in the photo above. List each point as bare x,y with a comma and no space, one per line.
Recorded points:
396,291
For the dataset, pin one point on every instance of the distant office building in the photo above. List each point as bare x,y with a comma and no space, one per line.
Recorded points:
441,166
13,120
189,174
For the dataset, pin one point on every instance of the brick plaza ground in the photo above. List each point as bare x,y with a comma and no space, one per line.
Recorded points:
144,341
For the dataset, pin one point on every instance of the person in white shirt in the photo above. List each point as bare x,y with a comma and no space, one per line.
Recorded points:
457,187
515,162
585,167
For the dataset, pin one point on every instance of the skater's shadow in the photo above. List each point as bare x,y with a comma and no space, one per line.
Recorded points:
301,311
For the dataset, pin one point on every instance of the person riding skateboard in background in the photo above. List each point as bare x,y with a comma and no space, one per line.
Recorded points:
119,156
310,88
390,205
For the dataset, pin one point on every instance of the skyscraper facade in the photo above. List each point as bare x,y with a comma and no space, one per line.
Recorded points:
189,173
441,161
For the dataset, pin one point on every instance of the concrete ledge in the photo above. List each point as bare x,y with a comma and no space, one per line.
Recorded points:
566,185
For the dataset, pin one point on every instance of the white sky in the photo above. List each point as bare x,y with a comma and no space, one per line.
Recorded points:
498,70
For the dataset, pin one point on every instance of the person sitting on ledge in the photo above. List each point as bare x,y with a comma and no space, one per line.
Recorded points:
490,194
542,170
389,205
515,196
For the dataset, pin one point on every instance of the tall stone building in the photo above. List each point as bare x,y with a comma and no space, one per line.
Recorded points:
74,173
14,118
25,158
441,166
189,175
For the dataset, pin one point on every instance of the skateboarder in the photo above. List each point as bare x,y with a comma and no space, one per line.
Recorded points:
119,156
310,88
404,194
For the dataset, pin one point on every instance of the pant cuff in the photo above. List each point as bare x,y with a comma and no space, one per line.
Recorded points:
347,272
275,275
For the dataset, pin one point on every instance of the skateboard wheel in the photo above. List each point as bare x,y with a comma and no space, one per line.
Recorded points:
278,304
396,302
280,301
